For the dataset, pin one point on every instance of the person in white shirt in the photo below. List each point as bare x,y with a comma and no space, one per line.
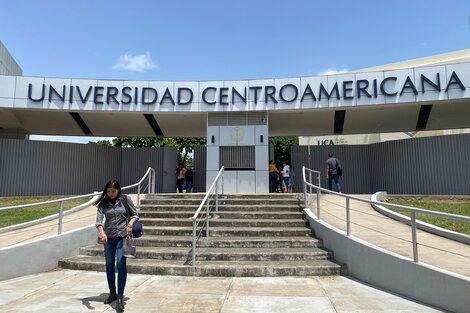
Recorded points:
285,174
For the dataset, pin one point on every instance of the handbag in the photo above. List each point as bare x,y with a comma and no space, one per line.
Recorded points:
137,227
128,247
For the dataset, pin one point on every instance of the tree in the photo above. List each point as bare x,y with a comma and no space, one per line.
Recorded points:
185,145
104,143
282,148
139,142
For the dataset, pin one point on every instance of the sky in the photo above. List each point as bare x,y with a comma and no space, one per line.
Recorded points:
224,40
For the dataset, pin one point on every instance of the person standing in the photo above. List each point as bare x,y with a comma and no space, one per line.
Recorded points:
180,173
188,177
119,214
286,175
272,176
332,168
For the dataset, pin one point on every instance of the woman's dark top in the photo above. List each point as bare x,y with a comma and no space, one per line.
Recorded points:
115,216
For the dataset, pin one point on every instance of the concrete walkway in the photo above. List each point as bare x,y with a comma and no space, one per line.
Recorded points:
369,225
77,291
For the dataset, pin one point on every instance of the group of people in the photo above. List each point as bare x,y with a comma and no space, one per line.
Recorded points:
184,178
279,177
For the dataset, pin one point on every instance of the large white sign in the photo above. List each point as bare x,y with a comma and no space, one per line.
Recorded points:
412,85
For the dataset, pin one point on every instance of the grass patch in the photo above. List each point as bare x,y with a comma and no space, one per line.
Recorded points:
446,205
18,216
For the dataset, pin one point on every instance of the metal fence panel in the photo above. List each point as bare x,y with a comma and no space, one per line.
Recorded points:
200,155
421,166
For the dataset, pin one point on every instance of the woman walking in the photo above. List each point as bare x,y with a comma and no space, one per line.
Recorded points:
119,214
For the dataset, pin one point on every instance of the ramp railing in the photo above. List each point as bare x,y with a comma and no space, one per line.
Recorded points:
309,185
146,183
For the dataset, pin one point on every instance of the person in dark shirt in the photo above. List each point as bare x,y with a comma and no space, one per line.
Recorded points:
188,177
332,169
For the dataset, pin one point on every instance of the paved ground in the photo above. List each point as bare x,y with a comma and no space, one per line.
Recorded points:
77,291
371,226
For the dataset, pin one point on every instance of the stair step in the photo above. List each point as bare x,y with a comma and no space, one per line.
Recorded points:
212,268
230,242
220,254
223,208
216,222
221,214
234,201
229,231
200,196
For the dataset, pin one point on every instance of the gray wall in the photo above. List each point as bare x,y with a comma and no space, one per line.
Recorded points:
53,168
200,156
431,165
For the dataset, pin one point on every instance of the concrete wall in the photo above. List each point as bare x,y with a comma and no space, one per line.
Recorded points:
393,272
43,254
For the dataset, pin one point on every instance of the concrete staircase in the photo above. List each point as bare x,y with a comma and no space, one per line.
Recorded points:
250,235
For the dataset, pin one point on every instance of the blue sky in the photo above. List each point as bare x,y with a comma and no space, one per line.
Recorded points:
225,40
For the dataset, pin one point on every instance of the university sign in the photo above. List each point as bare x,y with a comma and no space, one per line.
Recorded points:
302,90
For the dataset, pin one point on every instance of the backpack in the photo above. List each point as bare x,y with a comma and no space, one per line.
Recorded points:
339,170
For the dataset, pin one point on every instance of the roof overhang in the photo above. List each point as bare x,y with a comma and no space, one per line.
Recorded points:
407,99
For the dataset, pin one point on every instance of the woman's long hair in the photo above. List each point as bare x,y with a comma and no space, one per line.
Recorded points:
104,199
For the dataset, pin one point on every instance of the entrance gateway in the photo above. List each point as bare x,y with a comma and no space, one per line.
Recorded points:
238,117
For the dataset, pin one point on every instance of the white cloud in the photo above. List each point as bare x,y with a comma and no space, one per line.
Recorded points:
73,139
331,71
136,63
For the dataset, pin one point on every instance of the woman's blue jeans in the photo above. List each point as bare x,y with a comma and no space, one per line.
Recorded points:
113,252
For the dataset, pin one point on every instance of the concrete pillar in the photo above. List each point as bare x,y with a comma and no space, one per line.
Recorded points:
246,171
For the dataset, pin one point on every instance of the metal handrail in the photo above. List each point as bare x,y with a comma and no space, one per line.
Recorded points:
151,189
205,201
413,210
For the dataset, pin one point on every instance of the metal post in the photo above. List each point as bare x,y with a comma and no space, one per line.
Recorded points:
150,182
348,218
154,178
305,195
217,197
318,203
310,180
61,211
207,218
194,242
138,195
413,236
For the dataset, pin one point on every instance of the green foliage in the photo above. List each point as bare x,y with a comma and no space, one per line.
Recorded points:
184,145
139,142
282,147
453,206
17,216
104,143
